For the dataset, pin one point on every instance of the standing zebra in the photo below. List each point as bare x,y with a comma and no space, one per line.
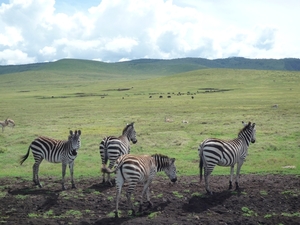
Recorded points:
214,152
54,151
111,148
140,169
3,124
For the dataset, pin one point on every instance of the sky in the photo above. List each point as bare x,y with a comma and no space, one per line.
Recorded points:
33,31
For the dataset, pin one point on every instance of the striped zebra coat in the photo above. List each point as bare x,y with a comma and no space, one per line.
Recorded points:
111,148
54,151
140,169
3,124
214,152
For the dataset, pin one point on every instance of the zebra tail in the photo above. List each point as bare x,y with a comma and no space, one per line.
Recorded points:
201,167
201,161
105,169
23,158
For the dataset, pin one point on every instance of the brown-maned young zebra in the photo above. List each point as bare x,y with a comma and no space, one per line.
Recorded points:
54,151
111,148
140,169
214,152
3,124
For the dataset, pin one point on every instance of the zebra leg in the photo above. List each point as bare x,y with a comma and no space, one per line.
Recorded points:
71,166
64,166
119,185
239,165
145,190
35,169
231,176
206,179
150,204
128,195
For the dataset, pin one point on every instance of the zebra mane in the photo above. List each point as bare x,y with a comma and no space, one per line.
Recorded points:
245,128
162,161
127,126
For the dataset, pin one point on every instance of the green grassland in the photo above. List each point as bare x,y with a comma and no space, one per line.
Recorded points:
52,101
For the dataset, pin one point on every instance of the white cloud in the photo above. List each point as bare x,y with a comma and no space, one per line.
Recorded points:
13,57
117,30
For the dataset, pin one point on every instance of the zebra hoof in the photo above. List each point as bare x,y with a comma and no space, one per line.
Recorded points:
150,204
116,215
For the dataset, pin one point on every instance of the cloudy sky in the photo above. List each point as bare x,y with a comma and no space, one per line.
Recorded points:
116,30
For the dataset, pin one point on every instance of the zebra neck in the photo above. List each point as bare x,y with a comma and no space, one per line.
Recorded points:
246,136
160,163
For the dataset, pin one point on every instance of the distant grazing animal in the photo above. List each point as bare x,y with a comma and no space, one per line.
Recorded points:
11,123
111,148
214,152
3,124
168,120
185,121
275,106
140,169
54,151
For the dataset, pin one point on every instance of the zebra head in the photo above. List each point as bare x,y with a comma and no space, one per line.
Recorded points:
129,131
74,139
167,165
249,131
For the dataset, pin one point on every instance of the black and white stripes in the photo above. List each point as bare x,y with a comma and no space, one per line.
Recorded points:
111,147
54,151
214,152
140,169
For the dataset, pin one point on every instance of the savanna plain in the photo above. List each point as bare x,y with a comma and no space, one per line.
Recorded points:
173,114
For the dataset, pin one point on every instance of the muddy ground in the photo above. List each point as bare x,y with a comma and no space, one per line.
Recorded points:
270,199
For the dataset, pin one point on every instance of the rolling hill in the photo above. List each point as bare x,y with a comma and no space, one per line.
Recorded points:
155,66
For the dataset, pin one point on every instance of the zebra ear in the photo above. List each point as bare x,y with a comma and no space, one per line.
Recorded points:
172,160
71,132
79,132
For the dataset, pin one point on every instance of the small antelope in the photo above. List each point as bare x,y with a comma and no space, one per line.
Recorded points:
3,124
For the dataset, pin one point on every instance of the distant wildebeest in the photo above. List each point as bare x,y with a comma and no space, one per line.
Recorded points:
169,96
160,96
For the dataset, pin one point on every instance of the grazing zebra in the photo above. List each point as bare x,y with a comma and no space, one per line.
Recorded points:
111,148
10,123
54,151
3,124
140,169
214,152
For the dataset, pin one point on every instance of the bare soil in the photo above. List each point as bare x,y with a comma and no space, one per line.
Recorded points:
268,199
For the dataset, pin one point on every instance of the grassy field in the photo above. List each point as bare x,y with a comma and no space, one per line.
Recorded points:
53,101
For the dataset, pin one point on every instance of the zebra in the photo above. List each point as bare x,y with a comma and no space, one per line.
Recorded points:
214,152
10,123
54,151
3,124
111,148
140,169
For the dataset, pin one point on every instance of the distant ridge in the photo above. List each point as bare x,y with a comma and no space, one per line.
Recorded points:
158,66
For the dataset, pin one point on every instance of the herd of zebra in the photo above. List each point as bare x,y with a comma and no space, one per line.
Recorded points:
140,168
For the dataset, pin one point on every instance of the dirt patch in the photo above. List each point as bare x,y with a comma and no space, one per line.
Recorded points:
270,199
